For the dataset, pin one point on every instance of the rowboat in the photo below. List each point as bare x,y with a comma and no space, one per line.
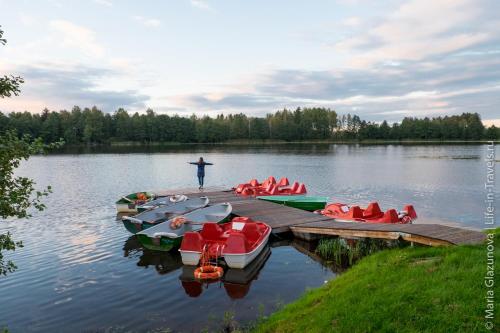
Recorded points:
309,203
371,214
168,235
238,242
161,201
129,203
152,217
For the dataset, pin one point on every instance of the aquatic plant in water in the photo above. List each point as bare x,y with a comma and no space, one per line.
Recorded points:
345,252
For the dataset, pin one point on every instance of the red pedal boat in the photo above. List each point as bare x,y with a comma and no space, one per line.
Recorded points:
372,213
238,242
270,187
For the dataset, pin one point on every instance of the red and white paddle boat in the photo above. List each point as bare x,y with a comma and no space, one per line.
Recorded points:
371,214
270,187
237,242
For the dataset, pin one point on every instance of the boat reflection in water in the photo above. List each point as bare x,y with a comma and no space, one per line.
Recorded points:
163,262
236,282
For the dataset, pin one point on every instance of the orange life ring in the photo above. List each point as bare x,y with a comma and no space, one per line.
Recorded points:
177,222
208,272
141,196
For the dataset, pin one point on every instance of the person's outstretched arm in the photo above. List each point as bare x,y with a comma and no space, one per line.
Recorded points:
193,162
206,163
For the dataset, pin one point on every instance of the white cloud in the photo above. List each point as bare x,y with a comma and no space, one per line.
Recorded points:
148,22
78,37
352,21
416,30
201,4
106,3
26,19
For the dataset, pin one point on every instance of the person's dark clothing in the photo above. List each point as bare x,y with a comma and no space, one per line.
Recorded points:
201,170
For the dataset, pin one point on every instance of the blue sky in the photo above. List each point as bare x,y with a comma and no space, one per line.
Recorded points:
377,59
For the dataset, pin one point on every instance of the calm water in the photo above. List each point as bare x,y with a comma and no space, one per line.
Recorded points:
81,271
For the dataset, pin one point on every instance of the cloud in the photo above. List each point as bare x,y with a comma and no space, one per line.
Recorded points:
418,29
106,3
201,4
78,37
425,58
58,86
412,88
148,22
352,21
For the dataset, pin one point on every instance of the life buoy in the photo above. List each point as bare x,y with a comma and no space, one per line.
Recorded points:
208,272
178,222
141,196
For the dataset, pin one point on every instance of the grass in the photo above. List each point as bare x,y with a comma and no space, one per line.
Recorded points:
398,290
344,253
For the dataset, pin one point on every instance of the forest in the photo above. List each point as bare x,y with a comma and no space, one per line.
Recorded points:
93,126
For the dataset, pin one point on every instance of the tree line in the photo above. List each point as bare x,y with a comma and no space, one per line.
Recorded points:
91,125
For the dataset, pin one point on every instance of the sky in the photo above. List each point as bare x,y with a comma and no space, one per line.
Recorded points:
381,60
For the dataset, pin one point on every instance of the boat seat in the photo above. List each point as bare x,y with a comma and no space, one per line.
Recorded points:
237,243
273,190
355,212
283,182
373,211
295,187
271,180
241,187
252,232
410,211
301,189
211,231
390,216
254,182
192,242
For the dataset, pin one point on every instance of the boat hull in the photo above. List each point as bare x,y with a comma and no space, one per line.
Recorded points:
126,208
242,260
136,227
160,244
300,202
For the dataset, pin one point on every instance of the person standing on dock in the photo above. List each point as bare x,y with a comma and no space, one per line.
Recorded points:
201,170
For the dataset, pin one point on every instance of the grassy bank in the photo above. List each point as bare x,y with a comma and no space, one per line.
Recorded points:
398,290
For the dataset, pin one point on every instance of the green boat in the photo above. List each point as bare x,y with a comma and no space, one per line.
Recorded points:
162,237
309,203
129,203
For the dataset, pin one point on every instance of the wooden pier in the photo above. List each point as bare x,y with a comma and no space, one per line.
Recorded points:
283,219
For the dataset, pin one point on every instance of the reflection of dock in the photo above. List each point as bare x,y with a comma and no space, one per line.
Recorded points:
283,218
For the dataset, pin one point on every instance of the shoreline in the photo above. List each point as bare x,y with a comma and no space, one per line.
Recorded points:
281,142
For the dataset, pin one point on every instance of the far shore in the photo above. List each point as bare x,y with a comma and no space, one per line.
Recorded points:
282,142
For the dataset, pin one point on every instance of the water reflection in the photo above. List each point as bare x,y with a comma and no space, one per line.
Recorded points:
236,282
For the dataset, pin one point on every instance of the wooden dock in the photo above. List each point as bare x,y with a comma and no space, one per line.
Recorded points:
283,219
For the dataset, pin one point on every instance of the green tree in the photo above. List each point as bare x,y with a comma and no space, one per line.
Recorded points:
17,194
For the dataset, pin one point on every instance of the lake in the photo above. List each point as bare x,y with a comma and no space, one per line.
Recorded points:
80,270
